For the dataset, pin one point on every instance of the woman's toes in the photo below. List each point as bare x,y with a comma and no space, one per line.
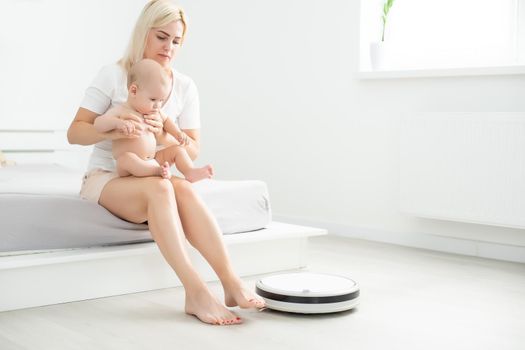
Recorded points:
210,319
257,302
230,321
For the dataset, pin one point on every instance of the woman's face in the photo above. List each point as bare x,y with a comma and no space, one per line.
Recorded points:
163,43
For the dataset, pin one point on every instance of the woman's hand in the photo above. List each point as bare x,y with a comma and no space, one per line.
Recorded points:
155,123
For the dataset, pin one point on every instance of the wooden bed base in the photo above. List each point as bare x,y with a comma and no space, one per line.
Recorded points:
70,275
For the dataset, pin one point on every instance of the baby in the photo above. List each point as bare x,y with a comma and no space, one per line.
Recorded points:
148,88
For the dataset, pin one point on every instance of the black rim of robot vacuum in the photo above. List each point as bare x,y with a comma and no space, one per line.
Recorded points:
307,300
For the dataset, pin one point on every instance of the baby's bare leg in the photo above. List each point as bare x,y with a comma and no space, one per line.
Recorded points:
177,155
129,163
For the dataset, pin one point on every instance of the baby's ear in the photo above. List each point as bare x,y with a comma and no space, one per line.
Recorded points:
133,89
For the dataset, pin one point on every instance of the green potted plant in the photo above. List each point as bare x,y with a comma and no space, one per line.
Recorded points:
386,8
377,49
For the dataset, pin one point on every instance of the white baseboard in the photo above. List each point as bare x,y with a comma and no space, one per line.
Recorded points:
453,245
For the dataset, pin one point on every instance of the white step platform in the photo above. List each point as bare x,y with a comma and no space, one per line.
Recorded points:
54,277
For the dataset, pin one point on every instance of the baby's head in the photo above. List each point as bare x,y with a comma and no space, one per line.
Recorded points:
148,86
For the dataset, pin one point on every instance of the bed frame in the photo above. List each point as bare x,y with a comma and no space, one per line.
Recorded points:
52,277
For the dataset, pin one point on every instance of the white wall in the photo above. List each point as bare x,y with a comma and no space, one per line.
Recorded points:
280,99
50,50
281,102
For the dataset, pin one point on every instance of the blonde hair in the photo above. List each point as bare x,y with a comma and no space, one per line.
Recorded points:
156,13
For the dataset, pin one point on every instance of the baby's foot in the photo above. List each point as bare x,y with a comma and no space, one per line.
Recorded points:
236,294
208,309
197,174
165,171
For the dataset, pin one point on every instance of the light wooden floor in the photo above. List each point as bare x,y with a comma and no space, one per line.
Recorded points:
410,299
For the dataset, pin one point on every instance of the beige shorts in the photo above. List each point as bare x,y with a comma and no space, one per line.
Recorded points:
93,183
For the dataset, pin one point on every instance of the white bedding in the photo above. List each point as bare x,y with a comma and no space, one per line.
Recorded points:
40,209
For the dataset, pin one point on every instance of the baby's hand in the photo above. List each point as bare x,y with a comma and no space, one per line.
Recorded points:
130,125
126,127
182,138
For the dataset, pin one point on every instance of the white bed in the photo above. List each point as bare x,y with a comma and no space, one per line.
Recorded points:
36,274
41,209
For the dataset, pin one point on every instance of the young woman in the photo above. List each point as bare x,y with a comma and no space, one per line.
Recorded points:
170,206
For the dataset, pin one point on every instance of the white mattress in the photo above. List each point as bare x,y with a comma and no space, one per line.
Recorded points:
40,209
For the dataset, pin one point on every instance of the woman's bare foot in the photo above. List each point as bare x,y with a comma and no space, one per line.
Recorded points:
165,171
197,174
237,294
208,309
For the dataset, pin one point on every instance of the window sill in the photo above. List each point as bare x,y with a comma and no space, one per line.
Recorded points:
442,72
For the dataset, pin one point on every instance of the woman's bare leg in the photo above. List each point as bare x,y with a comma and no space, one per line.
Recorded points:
204,234
153,199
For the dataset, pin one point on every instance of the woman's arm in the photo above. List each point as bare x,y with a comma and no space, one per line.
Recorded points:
193,147
107,122
83,132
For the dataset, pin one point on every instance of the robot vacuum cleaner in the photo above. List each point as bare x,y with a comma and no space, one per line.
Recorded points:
308,293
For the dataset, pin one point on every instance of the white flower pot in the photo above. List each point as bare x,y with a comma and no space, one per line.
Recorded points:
378,52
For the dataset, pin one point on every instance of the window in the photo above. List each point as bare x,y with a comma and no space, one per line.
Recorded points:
429,34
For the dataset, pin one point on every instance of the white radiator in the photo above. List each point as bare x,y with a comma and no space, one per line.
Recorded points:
464,167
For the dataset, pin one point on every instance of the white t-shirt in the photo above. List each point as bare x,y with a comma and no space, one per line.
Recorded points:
109,88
